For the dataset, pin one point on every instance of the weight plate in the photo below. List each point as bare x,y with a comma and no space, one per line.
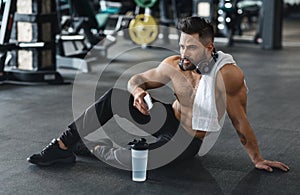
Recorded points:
143,29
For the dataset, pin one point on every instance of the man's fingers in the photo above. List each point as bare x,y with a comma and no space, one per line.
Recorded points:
141,106
267,165
286,167
278,165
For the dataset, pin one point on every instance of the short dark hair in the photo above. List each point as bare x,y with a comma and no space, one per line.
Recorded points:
195,24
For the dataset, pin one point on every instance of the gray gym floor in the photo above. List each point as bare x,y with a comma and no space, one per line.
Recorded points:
31,115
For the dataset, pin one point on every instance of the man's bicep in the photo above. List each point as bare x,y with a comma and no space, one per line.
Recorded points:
156,77
236,99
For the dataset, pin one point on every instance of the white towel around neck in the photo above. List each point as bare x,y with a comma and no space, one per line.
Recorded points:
205,114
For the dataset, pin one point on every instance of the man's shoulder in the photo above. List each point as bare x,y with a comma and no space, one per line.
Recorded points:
232,76
172,60
231,70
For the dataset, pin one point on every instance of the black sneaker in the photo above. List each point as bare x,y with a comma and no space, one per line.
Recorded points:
52,154
84,147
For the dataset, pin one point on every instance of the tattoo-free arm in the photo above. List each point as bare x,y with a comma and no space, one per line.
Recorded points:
236,98
236,109
139,83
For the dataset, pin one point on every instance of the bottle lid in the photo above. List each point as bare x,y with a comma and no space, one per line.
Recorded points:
139,144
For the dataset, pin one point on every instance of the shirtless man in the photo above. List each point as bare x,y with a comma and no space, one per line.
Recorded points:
196,43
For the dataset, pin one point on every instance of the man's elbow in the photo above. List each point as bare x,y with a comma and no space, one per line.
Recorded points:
134,82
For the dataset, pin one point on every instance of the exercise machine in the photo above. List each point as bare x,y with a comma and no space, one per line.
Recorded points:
238,16
143,28
85,30
31,61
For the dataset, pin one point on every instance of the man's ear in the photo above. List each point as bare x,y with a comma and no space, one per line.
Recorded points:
210,47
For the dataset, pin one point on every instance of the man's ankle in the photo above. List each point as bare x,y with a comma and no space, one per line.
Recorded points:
61,145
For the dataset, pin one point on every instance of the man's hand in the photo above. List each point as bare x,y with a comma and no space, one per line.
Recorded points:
269,165
139,102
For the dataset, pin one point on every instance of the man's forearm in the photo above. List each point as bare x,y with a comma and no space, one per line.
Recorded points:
136,83
253,149
249,141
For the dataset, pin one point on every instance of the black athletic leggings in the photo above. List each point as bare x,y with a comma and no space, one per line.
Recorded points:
161,123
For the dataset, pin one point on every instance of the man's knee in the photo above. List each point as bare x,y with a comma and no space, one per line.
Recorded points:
122,105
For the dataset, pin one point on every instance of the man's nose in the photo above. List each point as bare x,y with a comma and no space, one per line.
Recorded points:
185,53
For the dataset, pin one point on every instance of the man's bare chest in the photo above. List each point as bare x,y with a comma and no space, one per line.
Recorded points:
185,88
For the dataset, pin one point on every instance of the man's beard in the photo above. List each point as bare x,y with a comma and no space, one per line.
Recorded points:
190,65
194,65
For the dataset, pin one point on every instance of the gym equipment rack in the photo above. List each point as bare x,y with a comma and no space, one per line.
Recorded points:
28,31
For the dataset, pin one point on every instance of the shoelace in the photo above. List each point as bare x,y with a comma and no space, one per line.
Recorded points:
48,147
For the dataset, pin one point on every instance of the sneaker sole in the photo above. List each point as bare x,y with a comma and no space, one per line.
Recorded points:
68,160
